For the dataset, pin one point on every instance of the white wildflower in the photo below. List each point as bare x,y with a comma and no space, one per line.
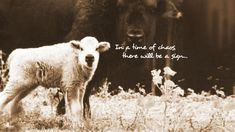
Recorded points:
179,91
169,83
191,91
220,92
157,79
169,71
156,72
204,93
142,91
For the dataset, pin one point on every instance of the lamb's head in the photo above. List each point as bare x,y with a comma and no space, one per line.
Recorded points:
88,51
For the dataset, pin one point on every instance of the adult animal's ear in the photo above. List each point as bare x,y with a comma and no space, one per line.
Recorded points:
152,3
120,3
75,44
172,11
103,46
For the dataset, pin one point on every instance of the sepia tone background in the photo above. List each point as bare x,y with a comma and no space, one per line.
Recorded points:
208,38
206,34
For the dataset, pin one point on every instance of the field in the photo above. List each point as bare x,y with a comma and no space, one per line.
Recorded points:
129,111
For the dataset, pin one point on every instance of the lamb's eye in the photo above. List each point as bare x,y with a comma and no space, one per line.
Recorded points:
80,48
97,49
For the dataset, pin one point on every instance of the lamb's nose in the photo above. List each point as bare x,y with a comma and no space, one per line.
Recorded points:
90,58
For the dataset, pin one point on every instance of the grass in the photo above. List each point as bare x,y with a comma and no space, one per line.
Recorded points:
131,112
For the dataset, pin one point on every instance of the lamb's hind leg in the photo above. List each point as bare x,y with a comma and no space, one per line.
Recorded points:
9,93
14,108
11,90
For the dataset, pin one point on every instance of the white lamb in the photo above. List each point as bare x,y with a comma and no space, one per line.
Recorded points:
69,66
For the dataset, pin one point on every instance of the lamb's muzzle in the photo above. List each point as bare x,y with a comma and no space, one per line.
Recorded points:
90,59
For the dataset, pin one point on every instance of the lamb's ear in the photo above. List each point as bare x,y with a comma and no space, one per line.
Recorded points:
75,44
103,46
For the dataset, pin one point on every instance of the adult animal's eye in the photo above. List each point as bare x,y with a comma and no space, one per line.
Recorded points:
121,8
152,10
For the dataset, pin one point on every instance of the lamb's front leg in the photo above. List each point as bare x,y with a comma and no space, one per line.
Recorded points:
74,105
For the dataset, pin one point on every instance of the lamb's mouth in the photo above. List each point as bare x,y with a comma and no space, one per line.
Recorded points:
88,66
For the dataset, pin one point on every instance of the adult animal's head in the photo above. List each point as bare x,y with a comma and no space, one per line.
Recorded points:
137,19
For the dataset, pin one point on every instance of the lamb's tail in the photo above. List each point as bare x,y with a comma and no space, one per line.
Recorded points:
4,66
4,70
11,56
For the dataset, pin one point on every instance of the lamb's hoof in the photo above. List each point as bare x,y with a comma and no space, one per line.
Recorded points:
9,127
2,114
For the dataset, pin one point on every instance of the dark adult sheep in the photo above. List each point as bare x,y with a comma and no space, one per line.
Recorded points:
69,66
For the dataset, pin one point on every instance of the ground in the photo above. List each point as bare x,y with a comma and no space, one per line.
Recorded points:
129,111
